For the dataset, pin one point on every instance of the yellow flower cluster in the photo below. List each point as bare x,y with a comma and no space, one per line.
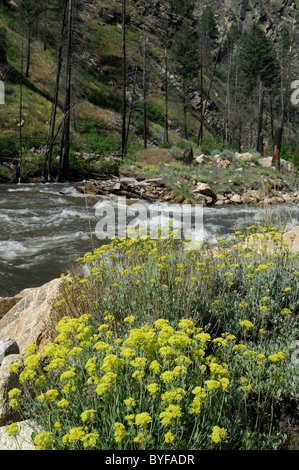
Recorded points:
277,357
218,434
157,374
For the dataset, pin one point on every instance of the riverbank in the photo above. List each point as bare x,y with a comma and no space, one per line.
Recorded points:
45,226
171,175
156,190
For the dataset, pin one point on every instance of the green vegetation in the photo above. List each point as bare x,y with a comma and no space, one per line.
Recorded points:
221,180
97,81
162,353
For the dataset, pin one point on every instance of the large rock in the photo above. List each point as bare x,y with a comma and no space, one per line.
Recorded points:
28,321
236,199
7,303
8,381
8,346
284,164
289,198
203,159
220,163
259,242
204,189
22,441
257,195
246,156
247,199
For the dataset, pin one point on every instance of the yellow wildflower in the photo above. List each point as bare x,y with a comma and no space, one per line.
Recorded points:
218,434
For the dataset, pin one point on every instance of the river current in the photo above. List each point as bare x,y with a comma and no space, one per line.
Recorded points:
45,227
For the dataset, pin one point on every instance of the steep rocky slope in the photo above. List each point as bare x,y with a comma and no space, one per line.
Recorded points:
271,14
98,69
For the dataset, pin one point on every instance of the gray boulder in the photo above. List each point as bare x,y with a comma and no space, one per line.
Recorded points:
8,381
8,346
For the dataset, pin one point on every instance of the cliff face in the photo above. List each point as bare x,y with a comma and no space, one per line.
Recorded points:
271,14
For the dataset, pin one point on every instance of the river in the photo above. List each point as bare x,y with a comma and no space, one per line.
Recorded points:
45,227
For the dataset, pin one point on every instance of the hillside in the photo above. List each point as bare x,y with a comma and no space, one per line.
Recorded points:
97,78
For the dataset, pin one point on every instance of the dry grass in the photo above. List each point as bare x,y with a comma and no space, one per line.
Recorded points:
154,156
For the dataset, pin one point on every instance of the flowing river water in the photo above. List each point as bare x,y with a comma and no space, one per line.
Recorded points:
45,227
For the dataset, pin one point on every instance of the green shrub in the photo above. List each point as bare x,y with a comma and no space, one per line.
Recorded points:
5,174
105,96
207,367
154,115
295,157
256,161
227,155
102,144
176,153
9,148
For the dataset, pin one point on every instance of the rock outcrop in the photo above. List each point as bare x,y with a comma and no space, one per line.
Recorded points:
271,15
260,244
7,303
8,381
22,441
154,190
29,321
8,346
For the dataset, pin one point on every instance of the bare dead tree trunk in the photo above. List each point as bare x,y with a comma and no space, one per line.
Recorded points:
124,97
259,144
133,99
200,134
28,51
45,27
277,147
271,114
185,111
67,107
48,157
280,129
227,102
166,125
19,166
144,96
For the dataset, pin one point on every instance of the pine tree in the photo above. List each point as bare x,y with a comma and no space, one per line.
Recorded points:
258,70
208,34
183,8
257,59
285,58
185,60
124,73
208,27
231,43
29,11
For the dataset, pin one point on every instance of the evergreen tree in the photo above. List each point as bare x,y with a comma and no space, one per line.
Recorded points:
185,59
232,37
208,34
285,59
29,11
231,43
258,69
258,60
183,8
208,26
